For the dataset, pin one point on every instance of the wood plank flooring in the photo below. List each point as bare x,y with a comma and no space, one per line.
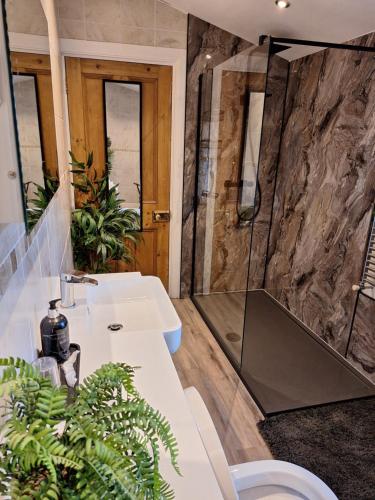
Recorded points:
200,362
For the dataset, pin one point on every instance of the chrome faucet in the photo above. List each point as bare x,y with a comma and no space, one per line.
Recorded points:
67,282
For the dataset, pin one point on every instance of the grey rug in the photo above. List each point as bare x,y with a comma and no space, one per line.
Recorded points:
336,442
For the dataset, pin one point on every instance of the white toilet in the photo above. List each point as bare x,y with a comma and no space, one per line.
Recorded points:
260,480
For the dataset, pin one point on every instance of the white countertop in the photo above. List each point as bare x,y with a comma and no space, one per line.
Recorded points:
158,383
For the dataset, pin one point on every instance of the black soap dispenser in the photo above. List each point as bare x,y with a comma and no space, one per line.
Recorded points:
54,331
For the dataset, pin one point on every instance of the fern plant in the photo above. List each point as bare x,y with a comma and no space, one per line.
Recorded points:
105,445
101,228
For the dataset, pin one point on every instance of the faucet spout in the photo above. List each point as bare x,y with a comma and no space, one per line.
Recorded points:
83,280
90,281
67,282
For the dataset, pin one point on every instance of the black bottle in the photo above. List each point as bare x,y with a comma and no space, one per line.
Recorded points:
54,330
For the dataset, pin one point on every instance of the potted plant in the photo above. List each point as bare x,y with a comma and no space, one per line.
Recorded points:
101,228
103,445
43,195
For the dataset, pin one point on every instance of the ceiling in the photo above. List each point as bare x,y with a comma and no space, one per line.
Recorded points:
322,20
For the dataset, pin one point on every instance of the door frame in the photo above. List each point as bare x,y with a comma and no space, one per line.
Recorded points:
176,58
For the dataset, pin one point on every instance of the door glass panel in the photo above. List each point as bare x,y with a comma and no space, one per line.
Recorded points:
25,95
123,133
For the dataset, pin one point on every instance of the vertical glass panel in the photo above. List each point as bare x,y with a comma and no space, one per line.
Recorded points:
25,96
232,100
123,131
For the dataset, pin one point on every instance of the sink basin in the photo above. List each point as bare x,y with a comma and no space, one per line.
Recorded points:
135,303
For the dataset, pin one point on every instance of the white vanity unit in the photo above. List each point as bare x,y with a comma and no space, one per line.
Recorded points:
150,330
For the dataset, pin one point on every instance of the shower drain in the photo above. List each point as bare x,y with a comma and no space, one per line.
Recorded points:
233,337
115,327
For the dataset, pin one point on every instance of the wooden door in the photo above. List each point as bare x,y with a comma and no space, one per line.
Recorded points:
87,132
39,66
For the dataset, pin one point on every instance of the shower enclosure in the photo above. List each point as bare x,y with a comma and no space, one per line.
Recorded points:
284,199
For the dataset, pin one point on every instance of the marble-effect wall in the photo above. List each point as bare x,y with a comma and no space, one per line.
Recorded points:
230,246
203,39
325,191
277,79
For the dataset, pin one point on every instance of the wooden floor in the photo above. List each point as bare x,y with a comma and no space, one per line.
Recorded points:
201,363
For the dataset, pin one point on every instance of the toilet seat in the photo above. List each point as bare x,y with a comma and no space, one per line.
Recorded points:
282,479
263,479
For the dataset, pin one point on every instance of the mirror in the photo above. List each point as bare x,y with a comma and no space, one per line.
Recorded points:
249,192
11,207
35,124
123,139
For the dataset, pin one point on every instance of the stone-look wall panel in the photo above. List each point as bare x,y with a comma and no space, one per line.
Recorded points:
325,189
277,79
203,39
231,240
361,352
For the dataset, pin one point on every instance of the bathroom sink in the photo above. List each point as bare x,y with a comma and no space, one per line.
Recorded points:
130,302
151,330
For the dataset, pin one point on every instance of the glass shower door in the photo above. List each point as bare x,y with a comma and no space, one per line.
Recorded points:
228,197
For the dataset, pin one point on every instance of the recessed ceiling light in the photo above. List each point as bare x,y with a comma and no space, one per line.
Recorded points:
282,4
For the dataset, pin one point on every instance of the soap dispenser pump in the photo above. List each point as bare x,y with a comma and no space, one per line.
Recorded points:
54,330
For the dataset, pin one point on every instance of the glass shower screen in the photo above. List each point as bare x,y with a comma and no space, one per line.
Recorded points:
228,196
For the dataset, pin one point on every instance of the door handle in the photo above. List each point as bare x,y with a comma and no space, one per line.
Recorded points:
161,216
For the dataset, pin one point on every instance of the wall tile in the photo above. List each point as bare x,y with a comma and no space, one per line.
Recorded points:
171,39
26,17
103,32
39,259
119,34
138,36
6,273
138,22
138,13
71,9
69,28
11,234
108,12
167,17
